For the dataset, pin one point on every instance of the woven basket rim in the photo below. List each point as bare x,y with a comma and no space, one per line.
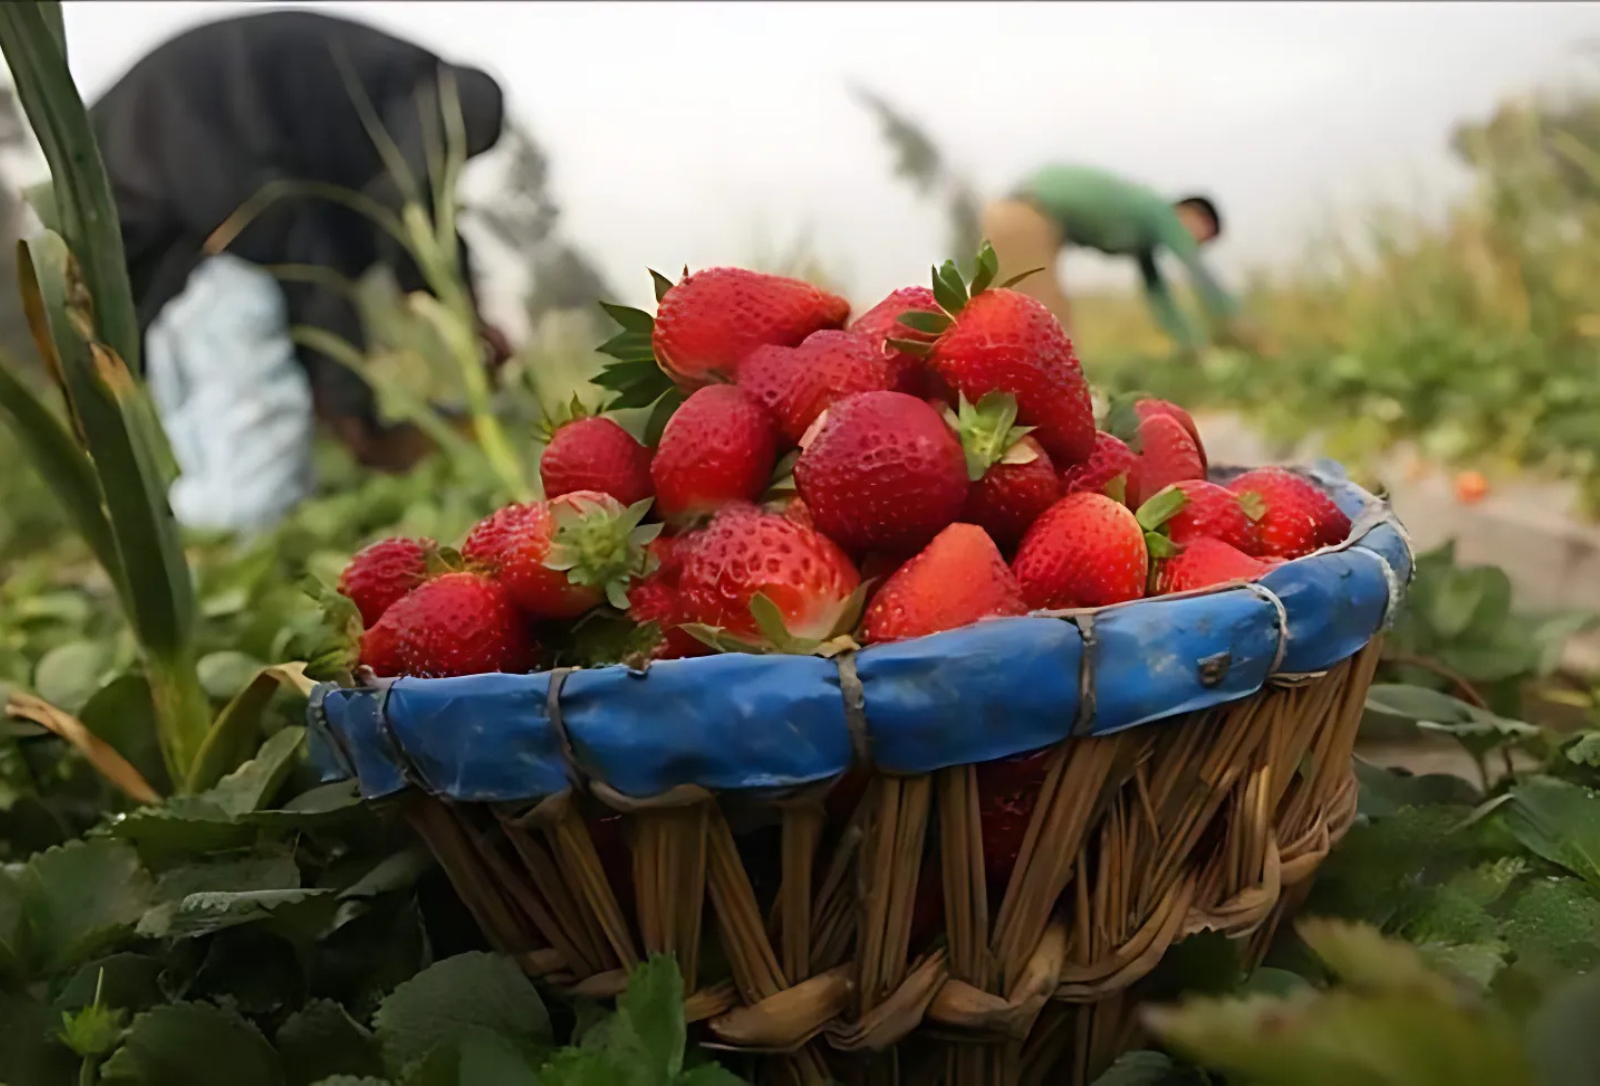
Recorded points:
1302,618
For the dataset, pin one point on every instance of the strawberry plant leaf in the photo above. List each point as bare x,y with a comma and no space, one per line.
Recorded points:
1558,821
1146,1067
453,996
185,1044
321,1040
81,898
661,283
631,320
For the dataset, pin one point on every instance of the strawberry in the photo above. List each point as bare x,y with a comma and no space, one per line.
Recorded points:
883,472
383,573
717,448
956,580
881,323
1204,562
1087,550
750,572
710,321
1296,516
1145,406
1106,471
656,599
560,558
1167,455
796,384
596,454
1008,791
666,553
455,624
1214,512
1013,480
998,340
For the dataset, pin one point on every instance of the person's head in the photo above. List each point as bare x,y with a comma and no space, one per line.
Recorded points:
482,108
1200,215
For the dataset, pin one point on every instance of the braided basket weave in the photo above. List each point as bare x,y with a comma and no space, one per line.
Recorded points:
1198,771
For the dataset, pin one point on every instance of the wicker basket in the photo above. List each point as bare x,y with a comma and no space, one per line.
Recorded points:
1198,771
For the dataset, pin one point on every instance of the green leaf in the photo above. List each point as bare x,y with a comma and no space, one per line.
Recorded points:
1146,1068
1456,599
661,414
451,997
662,284
224,674
212,911
93,1031
1558,821
914,347
631,320
1160,508
29,37
948,289
632,350
253,784
13,927
1555,923
321,1040
68,675
1385,791
1562,1040
1478,963
237,731
988,266
1019,277
929,323
188,1044
31,1050
82,898
653,1009
126,980
123,714
62,464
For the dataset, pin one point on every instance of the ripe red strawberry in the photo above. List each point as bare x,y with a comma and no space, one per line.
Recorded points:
745,552
796,384
883,472
1087,550
1167,455
1147,406
710,321
667,550
1213,512
383,573
657,599
1296,516
881,323
596,454
455,624
1008,791
998,340
560,558
956,580
1013,493
1111,461
717,448
1204,562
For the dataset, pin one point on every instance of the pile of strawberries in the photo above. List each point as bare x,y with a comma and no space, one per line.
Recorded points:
825,483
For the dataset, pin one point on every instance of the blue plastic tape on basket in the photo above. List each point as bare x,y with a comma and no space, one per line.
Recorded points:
1157,658
982,692
971,695
722,722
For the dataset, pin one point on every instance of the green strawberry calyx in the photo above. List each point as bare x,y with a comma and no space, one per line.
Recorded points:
551,421
1253,504
1122,418
601,544
635,378
989,434
1153,516
774,632
953,293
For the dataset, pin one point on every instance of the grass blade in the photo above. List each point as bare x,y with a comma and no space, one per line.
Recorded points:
31,40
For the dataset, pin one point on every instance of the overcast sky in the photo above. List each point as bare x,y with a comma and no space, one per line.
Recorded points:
686,133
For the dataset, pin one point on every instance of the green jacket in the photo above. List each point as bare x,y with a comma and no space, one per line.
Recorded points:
1101,211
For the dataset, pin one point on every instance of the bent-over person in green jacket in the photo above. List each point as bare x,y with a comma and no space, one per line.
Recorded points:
1079,205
